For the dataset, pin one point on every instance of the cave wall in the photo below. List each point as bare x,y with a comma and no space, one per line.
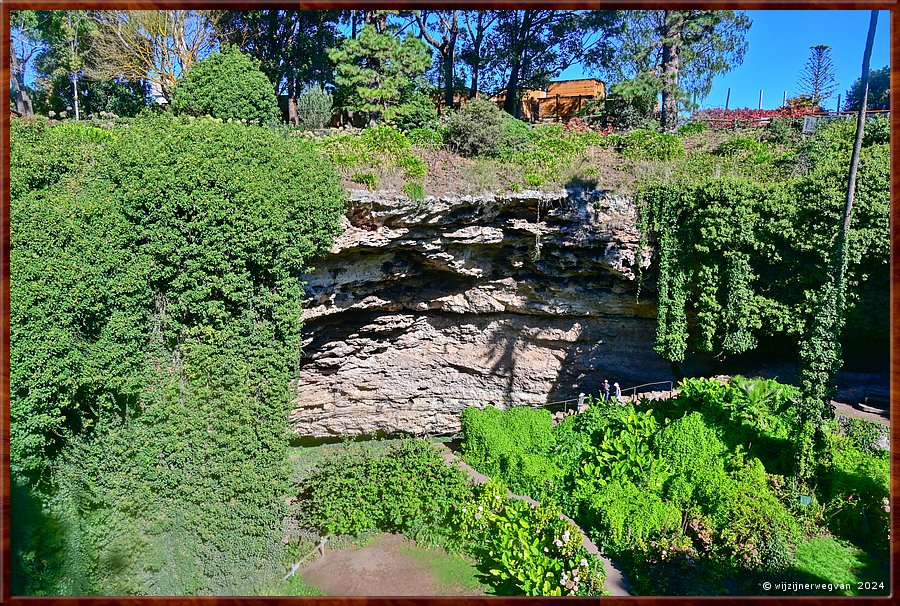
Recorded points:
423,308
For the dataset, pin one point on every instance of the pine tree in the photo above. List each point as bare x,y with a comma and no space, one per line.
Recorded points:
817,79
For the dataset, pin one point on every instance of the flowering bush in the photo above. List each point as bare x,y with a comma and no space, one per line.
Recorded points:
748,117
527,548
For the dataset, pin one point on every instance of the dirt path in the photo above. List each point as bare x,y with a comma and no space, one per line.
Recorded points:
616,583
381,568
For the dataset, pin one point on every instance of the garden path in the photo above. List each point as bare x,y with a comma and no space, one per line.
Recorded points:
616,583
381,568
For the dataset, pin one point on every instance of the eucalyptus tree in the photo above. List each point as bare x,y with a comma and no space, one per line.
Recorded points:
25,42
442,29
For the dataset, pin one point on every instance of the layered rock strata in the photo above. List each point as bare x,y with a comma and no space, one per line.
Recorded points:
423,308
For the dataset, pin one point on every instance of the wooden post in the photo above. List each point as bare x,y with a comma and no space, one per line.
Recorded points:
557,107
727,98
784,100
760,99
839,104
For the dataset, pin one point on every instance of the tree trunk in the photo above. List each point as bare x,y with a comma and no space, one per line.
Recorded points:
75,94
448,75
840,260
510,104
671,50
20,93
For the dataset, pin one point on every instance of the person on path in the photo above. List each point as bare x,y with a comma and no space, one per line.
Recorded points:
605,388
618,392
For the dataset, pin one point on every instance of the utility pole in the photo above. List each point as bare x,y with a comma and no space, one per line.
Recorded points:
727,98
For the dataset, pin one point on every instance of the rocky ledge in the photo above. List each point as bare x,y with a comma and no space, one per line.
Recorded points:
423,308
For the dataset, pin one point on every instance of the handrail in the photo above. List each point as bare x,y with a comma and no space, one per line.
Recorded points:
320,547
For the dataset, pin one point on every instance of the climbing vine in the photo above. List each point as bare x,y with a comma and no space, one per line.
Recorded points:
740,260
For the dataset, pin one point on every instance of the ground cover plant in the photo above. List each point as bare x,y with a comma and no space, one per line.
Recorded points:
700,494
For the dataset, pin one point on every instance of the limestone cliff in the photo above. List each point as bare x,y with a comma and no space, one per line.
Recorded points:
423,308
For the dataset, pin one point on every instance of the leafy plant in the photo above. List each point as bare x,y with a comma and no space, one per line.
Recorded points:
314,107
415,190
367,179
476,128
227,85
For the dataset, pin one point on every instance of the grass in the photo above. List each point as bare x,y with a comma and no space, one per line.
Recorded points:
452,573
828,560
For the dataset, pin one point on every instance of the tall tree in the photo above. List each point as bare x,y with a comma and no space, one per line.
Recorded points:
478,23
69,35
879,91
817,79
538,44
157,46
25,42
374,71
442,35
292,45
684,49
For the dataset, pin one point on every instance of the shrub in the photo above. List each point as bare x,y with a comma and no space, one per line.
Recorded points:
476,128
414,166
783,131
406,489
692,128
417,112
623,515
517,136
512,445
650,145
415,190
745,148
227,85
367,179
690,446
314,107
528,550
426,138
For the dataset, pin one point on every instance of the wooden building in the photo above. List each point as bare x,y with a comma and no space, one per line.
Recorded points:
560,101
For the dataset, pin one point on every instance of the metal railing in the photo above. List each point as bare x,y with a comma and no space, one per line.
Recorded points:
320,548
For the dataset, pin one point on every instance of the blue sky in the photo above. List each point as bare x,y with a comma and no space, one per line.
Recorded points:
778,48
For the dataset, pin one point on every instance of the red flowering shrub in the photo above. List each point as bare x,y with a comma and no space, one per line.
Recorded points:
748,117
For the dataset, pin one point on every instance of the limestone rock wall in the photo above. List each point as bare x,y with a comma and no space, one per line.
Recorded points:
421,309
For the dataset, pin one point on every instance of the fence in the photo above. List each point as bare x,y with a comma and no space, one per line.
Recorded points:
320,547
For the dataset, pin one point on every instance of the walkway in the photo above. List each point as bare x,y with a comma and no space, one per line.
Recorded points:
616,584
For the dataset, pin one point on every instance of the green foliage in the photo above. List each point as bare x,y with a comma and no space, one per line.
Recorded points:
122,98
626,515
784,131
747,258
415,190
425,138
405,489
149,400
512,445
378,146
417,112
528,550
227,85
879,91
745,148
314,107
651,145
692,128
517,136
375,71
476,128
630,103
854,485
367,179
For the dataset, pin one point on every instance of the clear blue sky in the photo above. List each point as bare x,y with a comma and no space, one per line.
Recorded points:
778,48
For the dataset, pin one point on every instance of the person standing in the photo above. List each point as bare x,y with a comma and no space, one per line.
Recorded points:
605,388
617,392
